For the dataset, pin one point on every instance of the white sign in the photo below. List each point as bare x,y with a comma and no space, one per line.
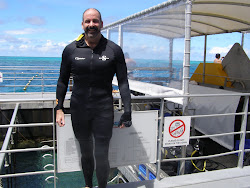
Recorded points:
176,131
128,146
1,77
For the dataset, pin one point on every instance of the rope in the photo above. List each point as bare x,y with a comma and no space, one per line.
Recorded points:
29,83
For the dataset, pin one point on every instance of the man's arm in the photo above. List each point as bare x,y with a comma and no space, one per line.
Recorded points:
62,86
121,73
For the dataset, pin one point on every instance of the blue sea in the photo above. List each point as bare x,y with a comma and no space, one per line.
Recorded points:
40,74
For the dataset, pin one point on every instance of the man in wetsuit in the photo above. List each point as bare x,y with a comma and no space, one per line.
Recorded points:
93,61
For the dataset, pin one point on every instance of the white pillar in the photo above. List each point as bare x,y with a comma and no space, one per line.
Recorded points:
186,65
242,39
186,72
120,36
204,60
108,34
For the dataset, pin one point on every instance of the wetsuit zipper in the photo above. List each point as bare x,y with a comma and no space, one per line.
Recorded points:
91,69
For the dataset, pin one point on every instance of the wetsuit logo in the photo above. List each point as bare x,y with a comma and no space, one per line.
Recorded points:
104,58
79,58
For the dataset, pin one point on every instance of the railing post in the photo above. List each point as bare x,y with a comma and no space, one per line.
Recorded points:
225,82
204,60
186,72
54,143
8,135
14,82
243,134
42,81
159,140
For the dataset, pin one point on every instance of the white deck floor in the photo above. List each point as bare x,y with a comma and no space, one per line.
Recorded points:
229,178
25,96
7,100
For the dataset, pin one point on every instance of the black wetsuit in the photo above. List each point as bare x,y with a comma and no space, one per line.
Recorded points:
91,102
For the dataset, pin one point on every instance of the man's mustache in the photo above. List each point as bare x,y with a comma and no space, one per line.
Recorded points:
92,27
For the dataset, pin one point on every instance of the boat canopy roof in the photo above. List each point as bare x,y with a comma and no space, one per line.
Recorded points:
208,17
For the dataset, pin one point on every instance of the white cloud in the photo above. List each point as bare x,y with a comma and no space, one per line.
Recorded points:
25,40
9,39
62,44
51,46
28,47
220,50
25,31
36,20
23,47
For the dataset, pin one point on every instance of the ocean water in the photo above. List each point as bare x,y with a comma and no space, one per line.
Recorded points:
34,161
40,74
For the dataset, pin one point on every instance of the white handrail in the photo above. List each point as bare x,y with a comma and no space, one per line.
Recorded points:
7,137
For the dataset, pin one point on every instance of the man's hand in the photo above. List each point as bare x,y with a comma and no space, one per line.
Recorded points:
125,120
60,118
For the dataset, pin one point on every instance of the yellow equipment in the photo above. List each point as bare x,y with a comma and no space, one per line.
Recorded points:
214,74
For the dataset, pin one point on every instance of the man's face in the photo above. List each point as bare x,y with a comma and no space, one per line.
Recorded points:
91,23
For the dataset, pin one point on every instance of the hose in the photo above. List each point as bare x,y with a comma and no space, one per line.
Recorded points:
204,168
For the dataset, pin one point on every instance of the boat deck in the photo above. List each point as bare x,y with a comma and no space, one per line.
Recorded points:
7,100
230,178
25,96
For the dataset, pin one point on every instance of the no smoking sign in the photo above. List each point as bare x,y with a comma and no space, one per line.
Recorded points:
176,131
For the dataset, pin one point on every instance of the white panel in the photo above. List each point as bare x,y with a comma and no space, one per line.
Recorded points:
134,145
68,151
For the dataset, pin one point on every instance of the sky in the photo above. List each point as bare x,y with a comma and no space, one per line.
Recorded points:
42,28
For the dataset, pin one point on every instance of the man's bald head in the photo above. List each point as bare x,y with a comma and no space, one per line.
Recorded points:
94,10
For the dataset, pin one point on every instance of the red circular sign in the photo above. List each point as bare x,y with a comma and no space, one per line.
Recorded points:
177,128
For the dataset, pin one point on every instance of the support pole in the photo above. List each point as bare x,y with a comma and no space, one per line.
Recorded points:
204,60
120,36
54,145
8,136
108,34
243,134
242,39
159,140
186,72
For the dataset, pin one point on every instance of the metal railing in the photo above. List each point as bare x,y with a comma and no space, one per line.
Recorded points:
243,132
29,78
7,150
44,79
